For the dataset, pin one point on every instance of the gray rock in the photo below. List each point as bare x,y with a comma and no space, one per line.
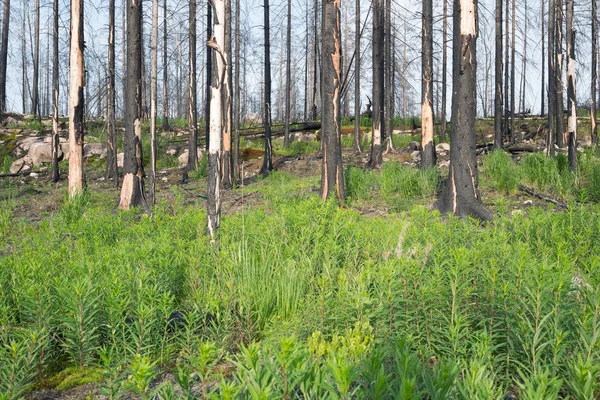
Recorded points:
414,146
21,165
183,158
41,152
442,147
94,150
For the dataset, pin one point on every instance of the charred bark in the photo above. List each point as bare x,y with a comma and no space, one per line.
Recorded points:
357,149
444,69
376,156
551,138
498,137
571,96
227,168
332,176
4,55
267,159
560,118
153,103
428,156
165,87
192,93
236,93
288,74
594,68
55,93
111,154
132,190
460,195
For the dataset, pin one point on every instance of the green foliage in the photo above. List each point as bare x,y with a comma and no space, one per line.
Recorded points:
304,299
503,172
202,171
297,148
548,173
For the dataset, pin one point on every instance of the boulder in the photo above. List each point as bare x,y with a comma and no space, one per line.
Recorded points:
65,149
414,146
442,147
21,165
94,150
416,156
303,137
10,121
183,158
40,152
22,146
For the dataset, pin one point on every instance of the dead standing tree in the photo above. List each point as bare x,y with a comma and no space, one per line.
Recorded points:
376,157
332,176
460,196
76,100
428,156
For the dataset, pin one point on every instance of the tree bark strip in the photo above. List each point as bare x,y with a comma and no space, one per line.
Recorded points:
428,156
227,160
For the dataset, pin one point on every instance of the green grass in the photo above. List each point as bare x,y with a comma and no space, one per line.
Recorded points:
303,298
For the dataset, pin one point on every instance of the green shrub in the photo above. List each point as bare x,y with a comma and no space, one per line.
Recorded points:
399,183
548,173
502,170
361,184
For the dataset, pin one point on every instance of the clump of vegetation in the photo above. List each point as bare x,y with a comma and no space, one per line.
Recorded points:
503,172
399,183
548,173
361,184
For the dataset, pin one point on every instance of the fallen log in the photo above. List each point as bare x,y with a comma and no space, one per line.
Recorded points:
543,196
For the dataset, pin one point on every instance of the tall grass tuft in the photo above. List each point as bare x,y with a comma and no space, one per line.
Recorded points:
504,173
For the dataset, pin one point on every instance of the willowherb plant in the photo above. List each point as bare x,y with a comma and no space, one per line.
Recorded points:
17,363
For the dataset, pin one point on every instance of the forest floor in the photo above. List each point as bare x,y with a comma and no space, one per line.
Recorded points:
340,281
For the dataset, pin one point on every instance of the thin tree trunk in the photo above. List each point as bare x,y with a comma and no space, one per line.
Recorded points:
306,53
460,196
153,103
551,79
288,75
376,157
594,129
236,92
444,69
125,6
35,99
227,169
192,95
404,77
428,156
560,116
388,78
132,190
315,61
25,77
571,97
216,121
267,159
512,73
524,71
507,132
543,89
4,55
357,149
55,93
111,158
332,176
165,66
76,100
209,71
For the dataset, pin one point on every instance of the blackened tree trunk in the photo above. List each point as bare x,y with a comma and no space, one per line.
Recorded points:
55,93
306,53
512,74
315,61
594,71
571,99
132,190
551,80
444,69
227,168
524,70
192,94
543,89
111,155
267,159
236,93
428,157
4,55
76,100
165,87
388,106
153,103
209,71
498,137
506,128
35,98
560,117
460,196
288,75
216,121
376,157
357,149
332,174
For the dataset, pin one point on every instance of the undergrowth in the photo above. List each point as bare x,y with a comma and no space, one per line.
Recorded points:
303,299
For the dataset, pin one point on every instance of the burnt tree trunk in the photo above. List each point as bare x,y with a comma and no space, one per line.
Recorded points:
111,154
543,89
76,100
388,105
357,149
165,88
444,69
512,73
332,174
132,190
571,98
4,55
551,80
560,118
227,160
209,71
376,156
192,94
498,137
428,156
267,159
217,43
315,61
288,75
153,103
35,97
594,129
55,93
460,196
236,93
